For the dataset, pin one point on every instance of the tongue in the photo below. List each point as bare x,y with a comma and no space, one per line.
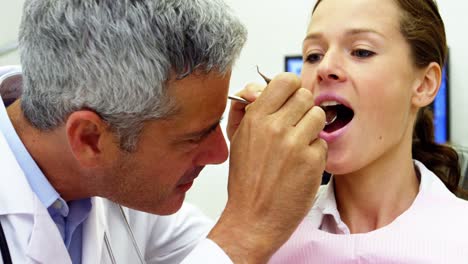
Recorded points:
337,124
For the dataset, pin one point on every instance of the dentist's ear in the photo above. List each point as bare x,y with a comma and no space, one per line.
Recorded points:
86,133
428,86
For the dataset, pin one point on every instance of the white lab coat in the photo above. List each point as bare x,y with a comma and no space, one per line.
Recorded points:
33,237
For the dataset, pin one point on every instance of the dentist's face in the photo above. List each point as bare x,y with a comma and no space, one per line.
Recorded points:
172,152
356,57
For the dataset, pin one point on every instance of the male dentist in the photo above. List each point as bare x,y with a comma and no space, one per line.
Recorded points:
119,112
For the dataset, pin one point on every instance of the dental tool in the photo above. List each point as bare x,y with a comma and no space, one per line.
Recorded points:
331,115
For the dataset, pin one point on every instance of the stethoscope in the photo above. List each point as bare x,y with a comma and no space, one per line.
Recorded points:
4,247
132,238
5,251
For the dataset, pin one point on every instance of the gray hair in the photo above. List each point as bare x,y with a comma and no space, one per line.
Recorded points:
115,57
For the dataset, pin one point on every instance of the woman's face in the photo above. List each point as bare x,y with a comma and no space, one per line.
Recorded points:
357,61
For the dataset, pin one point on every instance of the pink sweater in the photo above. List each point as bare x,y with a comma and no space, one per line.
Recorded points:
433,230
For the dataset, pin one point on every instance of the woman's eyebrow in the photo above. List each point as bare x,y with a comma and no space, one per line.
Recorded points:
313,36
359,31
349,32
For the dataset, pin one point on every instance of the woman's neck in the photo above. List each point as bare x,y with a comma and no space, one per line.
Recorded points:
374,196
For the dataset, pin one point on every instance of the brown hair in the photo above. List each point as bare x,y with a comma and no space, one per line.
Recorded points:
423,28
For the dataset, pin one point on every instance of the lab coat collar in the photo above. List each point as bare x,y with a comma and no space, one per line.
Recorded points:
16,196
46,244
12,177
94,229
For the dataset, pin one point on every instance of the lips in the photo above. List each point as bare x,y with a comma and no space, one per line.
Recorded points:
189,176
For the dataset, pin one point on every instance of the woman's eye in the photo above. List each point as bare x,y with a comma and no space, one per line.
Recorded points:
362,53
314,57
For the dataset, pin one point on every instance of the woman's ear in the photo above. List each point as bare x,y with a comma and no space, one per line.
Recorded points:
428,85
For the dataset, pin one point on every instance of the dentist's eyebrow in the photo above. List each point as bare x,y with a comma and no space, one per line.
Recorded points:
203,132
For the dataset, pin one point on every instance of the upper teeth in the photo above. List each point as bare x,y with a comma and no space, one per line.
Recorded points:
329,103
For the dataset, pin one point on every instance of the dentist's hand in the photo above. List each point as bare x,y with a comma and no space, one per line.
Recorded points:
237,110
276,165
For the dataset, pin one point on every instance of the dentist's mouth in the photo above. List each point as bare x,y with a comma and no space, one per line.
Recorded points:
187,180
339,113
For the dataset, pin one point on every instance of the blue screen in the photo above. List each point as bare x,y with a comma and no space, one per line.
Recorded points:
440,109
440,105
294,64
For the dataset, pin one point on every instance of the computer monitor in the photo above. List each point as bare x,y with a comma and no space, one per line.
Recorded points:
293,64
441,109
440,106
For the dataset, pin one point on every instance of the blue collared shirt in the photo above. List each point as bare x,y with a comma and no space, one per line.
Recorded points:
68,217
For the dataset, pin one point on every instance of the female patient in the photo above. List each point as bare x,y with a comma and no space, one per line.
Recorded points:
377,65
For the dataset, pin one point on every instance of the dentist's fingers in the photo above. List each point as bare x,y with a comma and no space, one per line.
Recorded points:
296,107
237,110
277,93
310,125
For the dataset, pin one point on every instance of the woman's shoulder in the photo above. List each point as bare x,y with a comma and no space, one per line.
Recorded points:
443,205
436,203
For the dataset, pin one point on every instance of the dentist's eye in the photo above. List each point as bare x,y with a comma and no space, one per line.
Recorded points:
314,57
198,139
362,53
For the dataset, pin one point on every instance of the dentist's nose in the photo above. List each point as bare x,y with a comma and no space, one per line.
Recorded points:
214,150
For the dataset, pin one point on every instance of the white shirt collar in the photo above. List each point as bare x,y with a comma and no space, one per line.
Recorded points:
326,217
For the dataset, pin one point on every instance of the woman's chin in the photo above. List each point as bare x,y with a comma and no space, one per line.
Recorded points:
338,167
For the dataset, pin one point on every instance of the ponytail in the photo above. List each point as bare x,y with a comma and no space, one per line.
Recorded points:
440,159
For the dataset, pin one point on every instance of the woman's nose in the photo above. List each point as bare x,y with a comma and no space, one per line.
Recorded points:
330,68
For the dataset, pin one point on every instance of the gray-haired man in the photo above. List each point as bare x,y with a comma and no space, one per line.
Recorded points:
120,112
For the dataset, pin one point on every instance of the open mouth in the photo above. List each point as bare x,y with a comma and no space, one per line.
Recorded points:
337,115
